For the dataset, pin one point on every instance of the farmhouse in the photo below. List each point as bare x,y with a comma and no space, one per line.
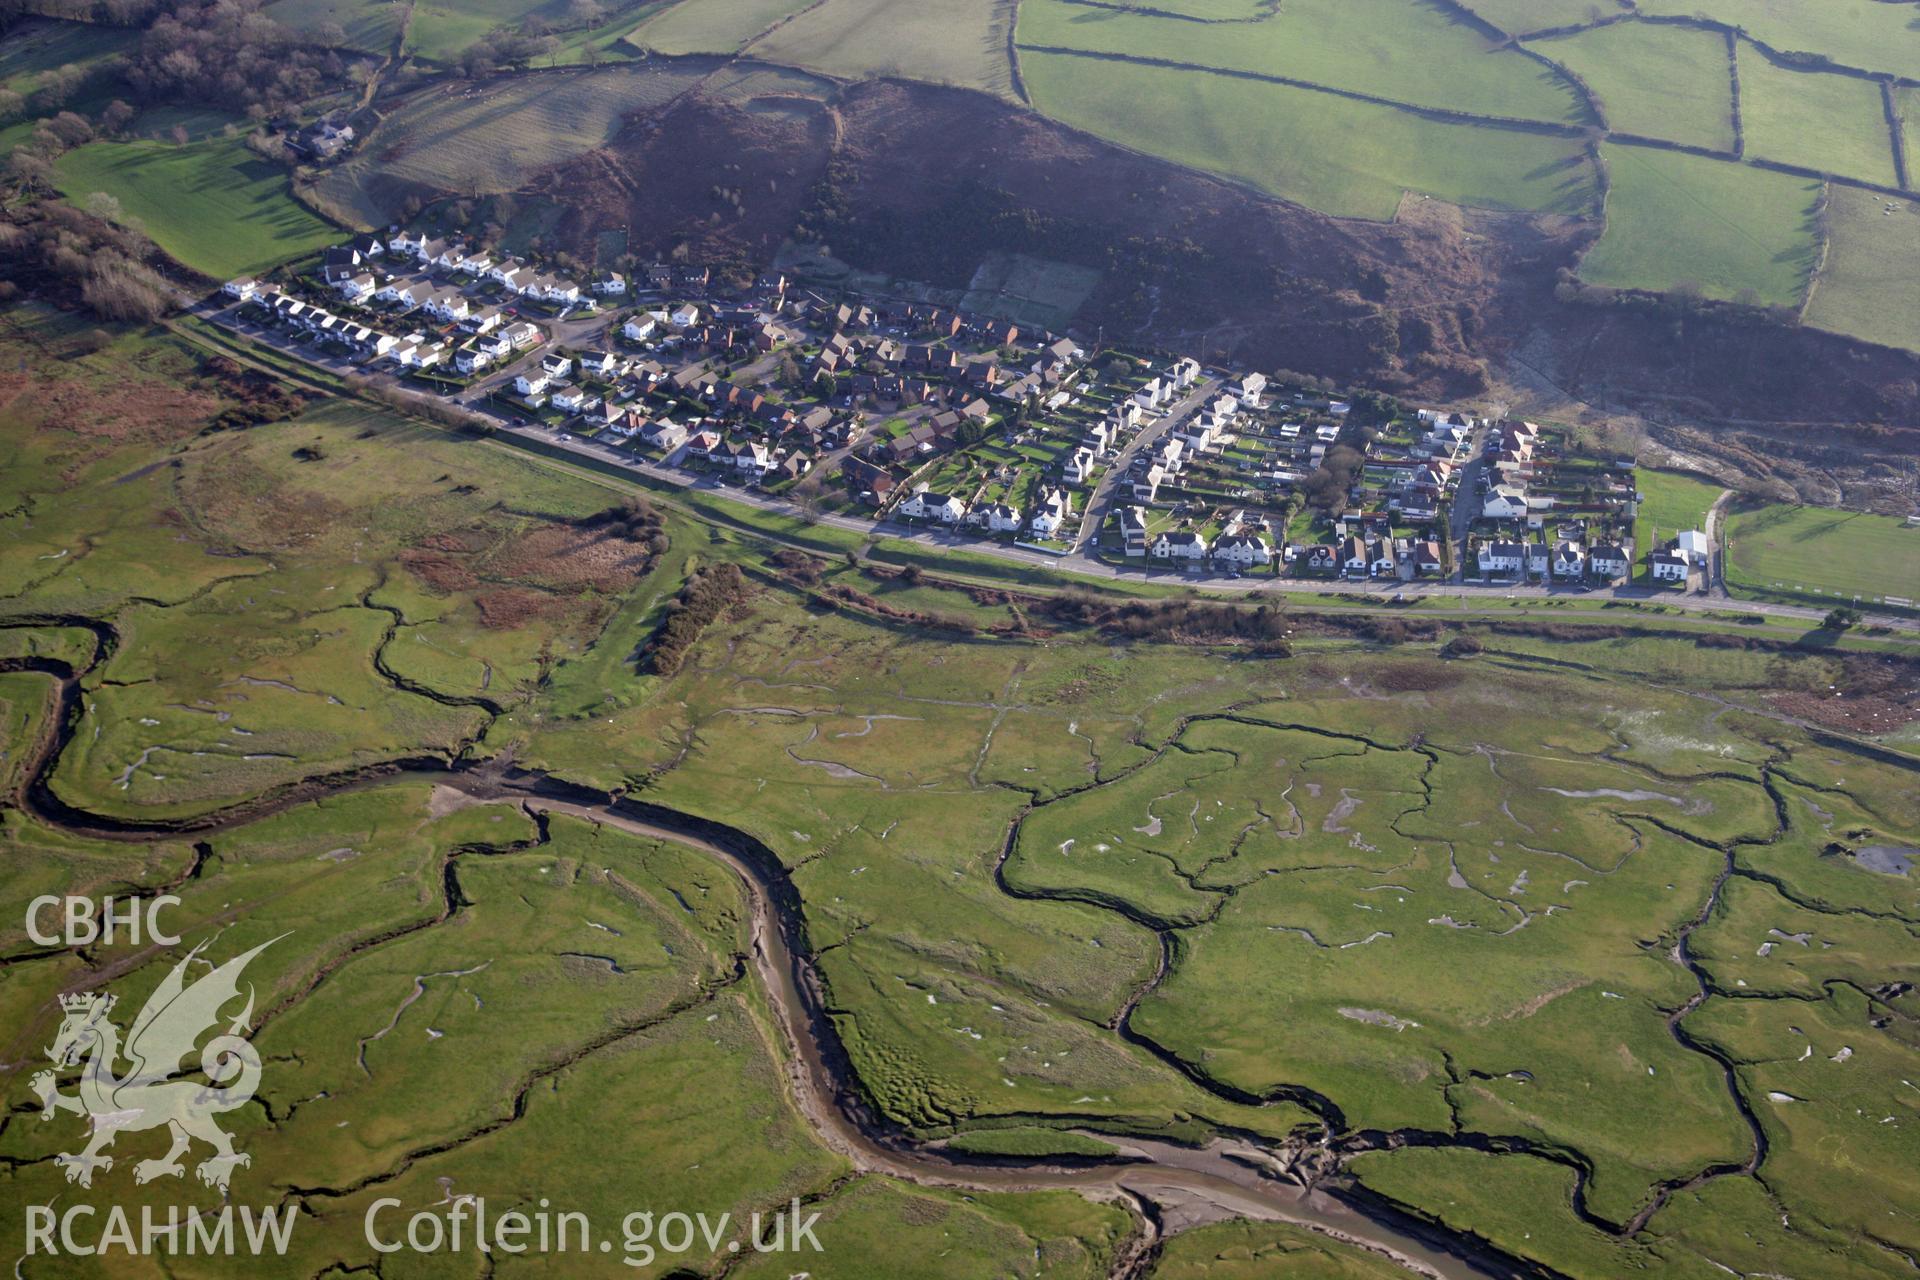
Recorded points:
1669,566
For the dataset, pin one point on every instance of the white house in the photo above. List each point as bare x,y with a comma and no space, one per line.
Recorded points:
1170,455
1055,506
1080,465
1133,530
1146,487
925,505
664,434
1252,387
1569,560
1153,394
1242,550
241,287
448,304
532,383
611,284
555,365
1186,545
1502,557
751,459
599,363
521,335
1505,502
1354,559
470,359
1200,432
1608,560
1694,546
998,518
1381,559
401,293
639,328
574,400
1183,372
1669,566
1539,559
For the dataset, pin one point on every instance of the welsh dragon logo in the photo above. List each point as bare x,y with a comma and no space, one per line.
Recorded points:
155,1091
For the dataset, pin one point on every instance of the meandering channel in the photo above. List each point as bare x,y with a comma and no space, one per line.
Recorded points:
1166,1185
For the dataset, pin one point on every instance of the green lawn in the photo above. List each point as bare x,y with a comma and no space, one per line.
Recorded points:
1814,555
1835,124
1658,81
214,206
1333,154
1726,227
1871,277
1671,503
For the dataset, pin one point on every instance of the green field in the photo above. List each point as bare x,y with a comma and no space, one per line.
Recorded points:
1830,123
1670,504
39,45
957,42
1656,81
1868,34
371,25
1520,16
1814,555
213,206
1342,157
1675,218
701,26
1872,271
1385,48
